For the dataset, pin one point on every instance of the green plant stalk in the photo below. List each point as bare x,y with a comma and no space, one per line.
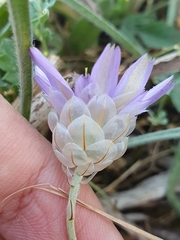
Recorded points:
106,26
154,137
21,26
73,194
171,13
172,182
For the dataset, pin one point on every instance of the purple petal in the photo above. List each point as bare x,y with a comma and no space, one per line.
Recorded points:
81,83
56,99
105,70
52,74
135,77
89,92
157,92
141,102
42,79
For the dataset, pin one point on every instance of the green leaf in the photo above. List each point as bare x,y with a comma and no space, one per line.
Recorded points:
158,35
7,47
154,137
159,118
5,29
41,18
3,15
8,62
106,26
114,10
134,22
154,34
48,3
80,38
12,78
7,57
39,12
173,181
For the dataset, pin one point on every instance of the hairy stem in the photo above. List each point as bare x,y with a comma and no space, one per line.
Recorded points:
73,194
21,26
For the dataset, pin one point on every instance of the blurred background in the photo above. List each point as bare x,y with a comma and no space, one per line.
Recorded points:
143,187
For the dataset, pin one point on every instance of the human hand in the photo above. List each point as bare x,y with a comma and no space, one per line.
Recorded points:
26,158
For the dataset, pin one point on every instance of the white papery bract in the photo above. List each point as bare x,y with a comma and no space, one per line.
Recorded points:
91,124
87,140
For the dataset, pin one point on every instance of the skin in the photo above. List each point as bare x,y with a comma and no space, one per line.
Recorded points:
26,158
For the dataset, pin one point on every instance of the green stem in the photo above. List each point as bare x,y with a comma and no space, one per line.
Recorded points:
73,194
21,26
106,26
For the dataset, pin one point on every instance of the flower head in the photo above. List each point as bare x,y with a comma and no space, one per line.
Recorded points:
91,124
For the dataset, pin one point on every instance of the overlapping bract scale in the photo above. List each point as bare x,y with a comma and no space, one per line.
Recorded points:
86,145
102,109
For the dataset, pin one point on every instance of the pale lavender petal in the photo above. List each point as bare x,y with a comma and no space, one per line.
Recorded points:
157,92
102,109
42,79
89,92
105,70
135,77
50,71
56,99
81,83
133,107
141,102
122,100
